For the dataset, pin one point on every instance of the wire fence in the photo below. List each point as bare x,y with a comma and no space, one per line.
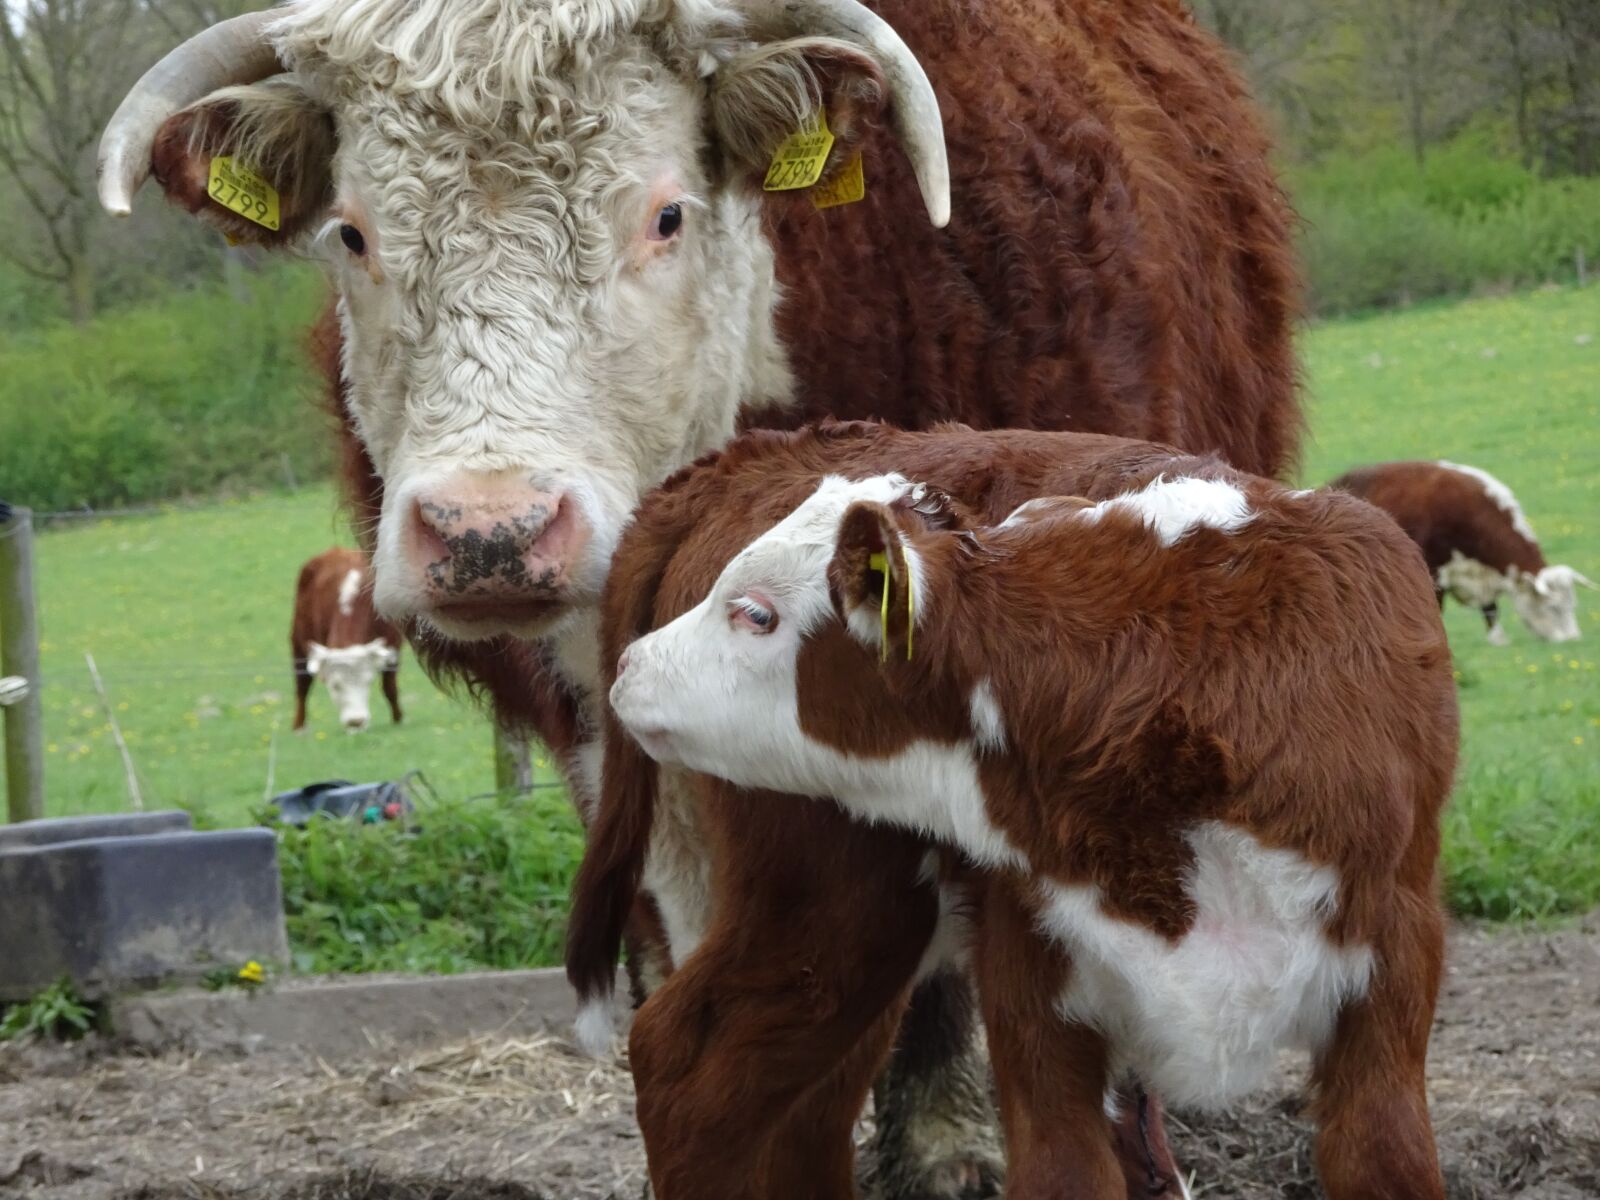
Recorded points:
164,509
192,720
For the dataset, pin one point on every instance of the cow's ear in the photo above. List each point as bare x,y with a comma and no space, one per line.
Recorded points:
762,96
386,656
316,653
273,131
872,578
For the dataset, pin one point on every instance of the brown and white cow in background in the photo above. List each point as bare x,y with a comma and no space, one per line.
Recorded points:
1202,830
559,280
336,635
1477,542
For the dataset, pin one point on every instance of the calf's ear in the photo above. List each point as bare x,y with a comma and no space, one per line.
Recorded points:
869,578
274,131
316,653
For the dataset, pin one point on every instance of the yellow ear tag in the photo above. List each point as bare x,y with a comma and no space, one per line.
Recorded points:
911,603
848,186
799,159
239,189
880,562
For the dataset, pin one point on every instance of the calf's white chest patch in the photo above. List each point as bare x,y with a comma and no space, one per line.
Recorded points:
1202,1019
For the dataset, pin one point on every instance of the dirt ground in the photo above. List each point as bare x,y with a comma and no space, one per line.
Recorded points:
1515,1078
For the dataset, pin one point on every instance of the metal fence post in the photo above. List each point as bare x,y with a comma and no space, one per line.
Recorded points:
19,656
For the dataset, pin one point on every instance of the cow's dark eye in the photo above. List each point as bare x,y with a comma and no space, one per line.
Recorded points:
352,239
666,223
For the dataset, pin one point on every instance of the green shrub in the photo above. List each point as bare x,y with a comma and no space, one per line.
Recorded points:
480,884
1380,230
186,396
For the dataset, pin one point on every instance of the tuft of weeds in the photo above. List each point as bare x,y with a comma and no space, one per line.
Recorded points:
57,1013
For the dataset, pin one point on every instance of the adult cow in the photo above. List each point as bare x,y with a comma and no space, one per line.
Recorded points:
1477,543
558,280
336,634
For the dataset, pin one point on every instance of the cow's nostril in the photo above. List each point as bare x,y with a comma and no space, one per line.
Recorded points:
622,663
431,527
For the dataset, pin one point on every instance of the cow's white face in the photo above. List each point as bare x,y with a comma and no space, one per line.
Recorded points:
1548,602
348,672
541,219
716,689
543,316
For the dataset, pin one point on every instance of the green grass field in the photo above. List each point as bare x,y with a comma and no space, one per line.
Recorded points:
187,614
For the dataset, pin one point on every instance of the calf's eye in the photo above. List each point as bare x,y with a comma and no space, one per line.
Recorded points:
352,239
666,223
753,615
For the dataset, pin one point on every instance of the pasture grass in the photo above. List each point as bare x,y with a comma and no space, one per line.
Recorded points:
187,615
1511,385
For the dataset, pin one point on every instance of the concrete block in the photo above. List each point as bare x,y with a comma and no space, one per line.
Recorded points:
76,829
347,1016
118,912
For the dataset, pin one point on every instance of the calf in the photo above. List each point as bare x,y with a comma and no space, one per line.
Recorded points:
1194,731
336,634
1477,542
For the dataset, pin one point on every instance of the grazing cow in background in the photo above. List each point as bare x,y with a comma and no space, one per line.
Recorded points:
1201,829
559,280
1476,541
337,635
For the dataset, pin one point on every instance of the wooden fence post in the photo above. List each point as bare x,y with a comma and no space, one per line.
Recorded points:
19,656
513,762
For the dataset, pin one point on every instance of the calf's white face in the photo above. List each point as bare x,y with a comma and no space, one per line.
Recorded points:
1548,602
348,672
716,689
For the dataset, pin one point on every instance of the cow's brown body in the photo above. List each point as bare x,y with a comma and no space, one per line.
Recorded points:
321,617
1146,691
1119,261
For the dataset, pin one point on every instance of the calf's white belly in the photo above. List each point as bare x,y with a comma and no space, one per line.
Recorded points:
1201,1020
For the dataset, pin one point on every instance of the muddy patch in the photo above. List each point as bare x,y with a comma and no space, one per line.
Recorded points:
1514,1077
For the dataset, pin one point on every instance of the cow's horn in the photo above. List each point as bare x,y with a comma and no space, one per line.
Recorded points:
916,108
234,51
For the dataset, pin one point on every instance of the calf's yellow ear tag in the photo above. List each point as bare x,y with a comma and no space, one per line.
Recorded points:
239,189
880,562
800,157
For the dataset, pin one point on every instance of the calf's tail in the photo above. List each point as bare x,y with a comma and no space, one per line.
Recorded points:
607,884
